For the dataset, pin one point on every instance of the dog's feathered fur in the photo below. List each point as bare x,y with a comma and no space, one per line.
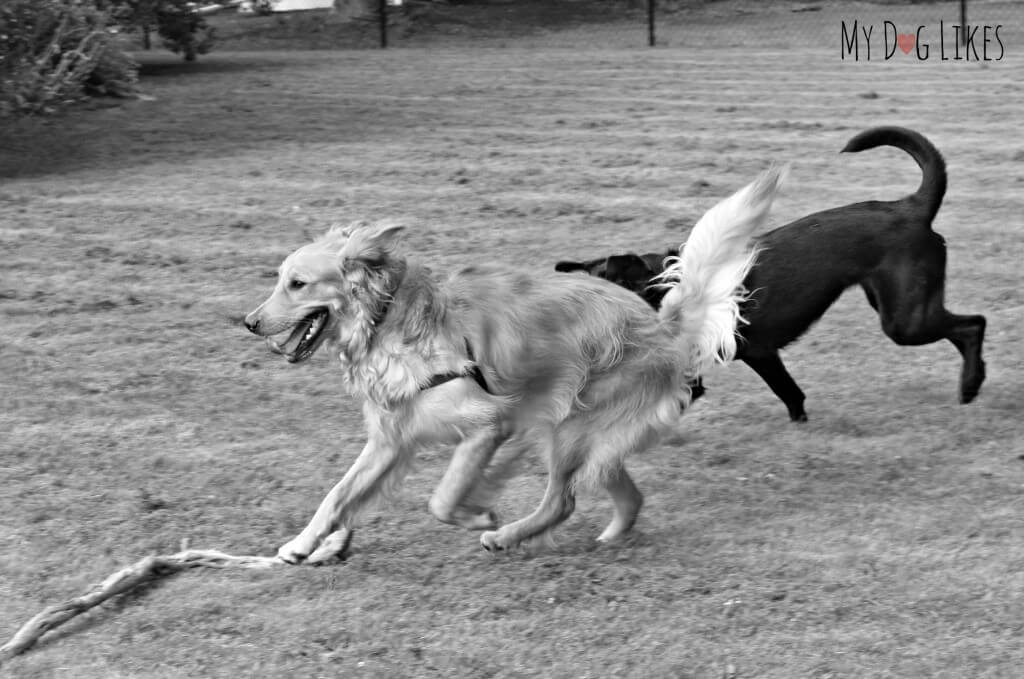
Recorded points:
574,367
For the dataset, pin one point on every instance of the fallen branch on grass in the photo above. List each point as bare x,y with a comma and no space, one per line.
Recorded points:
122,581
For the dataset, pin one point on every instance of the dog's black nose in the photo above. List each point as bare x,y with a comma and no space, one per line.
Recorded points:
252,326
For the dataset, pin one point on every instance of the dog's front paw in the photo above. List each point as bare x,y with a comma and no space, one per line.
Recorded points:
296,550
334,547
494,541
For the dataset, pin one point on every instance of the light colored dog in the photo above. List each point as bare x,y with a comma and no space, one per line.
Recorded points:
579,370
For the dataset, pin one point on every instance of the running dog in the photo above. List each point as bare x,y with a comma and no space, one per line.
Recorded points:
580,370
888,248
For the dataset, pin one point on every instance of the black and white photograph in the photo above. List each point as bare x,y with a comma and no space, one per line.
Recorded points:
511,339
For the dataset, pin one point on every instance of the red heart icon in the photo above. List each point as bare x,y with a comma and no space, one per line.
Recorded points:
905,41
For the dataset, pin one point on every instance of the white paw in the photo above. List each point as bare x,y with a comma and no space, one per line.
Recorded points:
295,550
333,547
493,541
475,519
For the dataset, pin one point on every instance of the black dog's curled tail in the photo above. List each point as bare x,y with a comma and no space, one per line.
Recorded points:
933,167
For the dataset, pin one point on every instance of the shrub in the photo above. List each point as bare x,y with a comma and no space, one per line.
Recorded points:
183,31
56,51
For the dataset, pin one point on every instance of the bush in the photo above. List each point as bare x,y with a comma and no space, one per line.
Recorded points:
182,30
56,51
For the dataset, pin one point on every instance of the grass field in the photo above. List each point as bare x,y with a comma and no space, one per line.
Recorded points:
884,538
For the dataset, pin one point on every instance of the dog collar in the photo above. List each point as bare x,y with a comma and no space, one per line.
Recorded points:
440,378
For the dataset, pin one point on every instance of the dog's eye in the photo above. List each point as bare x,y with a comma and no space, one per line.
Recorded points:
296,284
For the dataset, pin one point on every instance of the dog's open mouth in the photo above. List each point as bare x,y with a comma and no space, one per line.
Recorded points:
305,338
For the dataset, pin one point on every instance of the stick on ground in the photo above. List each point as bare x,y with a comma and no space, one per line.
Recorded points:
122,581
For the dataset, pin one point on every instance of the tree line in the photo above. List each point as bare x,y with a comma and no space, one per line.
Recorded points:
56,51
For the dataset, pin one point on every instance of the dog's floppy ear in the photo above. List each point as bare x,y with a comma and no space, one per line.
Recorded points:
371,245
388,233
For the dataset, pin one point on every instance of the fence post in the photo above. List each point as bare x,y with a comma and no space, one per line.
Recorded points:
650,23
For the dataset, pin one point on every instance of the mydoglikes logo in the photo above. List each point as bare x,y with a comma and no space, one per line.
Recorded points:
947,42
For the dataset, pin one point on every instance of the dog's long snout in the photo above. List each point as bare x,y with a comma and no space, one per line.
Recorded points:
252,323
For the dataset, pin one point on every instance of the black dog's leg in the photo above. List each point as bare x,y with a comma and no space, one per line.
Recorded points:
967,333
697,389
774,373
909,299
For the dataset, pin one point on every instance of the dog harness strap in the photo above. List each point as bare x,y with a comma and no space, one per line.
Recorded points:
478,375
474,372
437,380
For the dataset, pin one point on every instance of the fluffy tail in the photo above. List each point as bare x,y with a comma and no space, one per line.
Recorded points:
705,281
933,167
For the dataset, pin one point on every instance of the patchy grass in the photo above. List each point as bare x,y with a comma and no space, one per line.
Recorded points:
882,539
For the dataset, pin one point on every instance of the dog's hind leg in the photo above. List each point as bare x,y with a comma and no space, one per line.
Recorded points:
909,298
627,499
967,333
605,466
557,505
773,372
453,500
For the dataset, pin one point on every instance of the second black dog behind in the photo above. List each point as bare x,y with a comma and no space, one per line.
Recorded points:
886,247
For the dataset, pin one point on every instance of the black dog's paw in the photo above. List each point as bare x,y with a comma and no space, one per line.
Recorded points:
970,384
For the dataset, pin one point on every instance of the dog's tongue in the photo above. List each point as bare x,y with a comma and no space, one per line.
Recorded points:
274,346
290,345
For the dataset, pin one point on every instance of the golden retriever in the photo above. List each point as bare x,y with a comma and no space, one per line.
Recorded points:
575,368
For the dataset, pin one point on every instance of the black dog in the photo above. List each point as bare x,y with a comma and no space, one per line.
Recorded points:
887,247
